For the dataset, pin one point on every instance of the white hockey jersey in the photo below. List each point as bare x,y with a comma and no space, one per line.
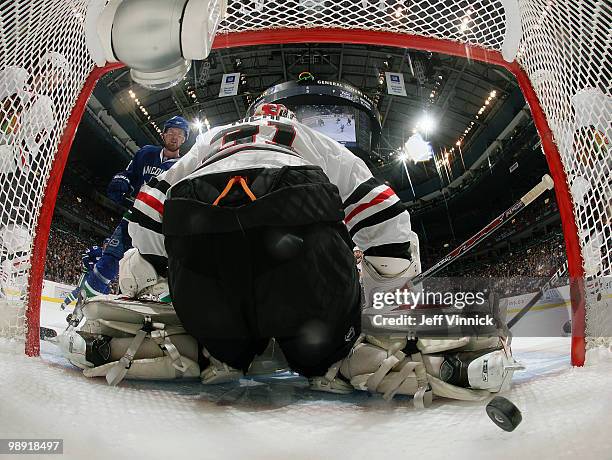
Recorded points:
373,213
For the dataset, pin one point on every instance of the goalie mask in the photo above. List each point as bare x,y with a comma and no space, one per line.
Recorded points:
275,110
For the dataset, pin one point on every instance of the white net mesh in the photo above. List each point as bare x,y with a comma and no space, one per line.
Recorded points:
43,66
477,22
565,51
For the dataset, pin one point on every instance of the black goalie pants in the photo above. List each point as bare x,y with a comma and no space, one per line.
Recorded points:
281,266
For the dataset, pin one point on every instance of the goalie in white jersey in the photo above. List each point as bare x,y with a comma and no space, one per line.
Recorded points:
254,229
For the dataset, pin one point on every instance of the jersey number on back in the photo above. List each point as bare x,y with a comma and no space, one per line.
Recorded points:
283,134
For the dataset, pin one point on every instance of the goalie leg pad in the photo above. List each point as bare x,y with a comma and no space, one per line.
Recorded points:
382,367
160,368
378,366
431,346
185,344
144,341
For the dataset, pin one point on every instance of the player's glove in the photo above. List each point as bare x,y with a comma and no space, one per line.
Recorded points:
137,277
119,186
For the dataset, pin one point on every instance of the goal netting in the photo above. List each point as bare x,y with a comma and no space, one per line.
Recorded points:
559,51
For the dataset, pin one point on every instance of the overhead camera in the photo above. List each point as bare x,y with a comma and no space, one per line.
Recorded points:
156,39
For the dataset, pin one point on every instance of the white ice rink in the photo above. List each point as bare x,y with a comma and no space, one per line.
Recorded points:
567,413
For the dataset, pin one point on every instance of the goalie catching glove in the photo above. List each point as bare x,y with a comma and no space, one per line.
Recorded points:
388,268
138,278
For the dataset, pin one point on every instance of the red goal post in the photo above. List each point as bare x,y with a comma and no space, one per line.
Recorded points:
312,18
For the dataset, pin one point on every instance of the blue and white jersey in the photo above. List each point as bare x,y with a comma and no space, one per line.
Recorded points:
148,162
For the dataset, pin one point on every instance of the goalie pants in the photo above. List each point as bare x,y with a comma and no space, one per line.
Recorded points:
280,266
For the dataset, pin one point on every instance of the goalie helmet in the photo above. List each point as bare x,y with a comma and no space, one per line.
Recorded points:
276,110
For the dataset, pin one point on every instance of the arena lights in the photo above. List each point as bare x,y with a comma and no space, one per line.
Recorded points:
426,125
487,103
156,128
191,92
199,124
142,108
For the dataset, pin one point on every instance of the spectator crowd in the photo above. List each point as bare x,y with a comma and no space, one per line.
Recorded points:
63,264
69,199
67,241
520,270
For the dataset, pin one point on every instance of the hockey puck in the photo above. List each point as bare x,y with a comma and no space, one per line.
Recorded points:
567,327
503,413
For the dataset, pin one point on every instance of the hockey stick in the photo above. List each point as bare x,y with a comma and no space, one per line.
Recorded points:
545,287
492,227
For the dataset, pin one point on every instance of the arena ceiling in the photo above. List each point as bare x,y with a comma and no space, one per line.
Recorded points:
451,91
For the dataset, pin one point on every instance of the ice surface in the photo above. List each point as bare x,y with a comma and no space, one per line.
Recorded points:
567,413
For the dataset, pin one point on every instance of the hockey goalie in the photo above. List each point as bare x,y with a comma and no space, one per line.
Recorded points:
253,232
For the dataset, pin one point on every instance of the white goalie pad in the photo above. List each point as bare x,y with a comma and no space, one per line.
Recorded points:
145,341
430,346
382,275
112,308
379,365
137,277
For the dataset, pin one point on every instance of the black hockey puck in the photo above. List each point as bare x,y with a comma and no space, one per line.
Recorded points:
503,413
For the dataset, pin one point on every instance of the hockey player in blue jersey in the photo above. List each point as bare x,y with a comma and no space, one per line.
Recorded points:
89,259
148,162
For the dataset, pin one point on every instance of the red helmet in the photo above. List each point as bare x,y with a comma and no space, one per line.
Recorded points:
275,110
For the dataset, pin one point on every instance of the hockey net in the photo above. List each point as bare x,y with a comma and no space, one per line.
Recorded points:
559,51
